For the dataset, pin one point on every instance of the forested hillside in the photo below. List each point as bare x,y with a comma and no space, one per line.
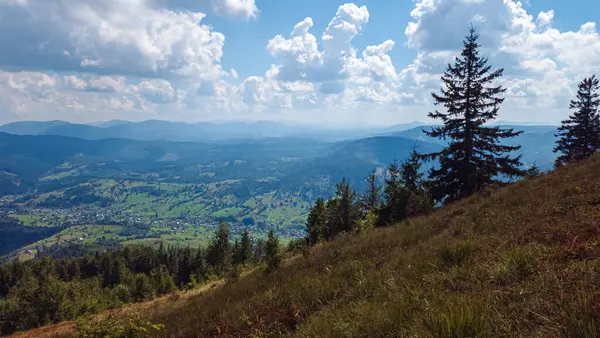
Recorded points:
518,261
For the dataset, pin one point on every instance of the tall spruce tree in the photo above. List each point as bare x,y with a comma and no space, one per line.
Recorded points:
343,210
395,197
371,199
243,253
316,222
219,250
579,135
272,255
475,155
418,201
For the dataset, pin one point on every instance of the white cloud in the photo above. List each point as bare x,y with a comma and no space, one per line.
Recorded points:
87,60
108,37
230,8
542,63
157,91
300,57
545,18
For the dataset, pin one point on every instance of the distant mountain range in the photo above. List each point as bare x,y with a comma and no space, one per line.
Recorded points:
46,155
153,130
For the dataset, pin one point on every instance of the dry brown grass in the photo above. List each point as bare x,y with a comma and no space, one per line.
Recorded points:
523,261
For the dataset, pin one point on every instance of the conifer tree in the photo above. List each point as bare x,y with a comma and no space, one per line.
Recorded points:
371,199
395,197
534,171
259,249
219,252
579,135
243,253
475,155
200,264
4,281
316,222
343,211
272,256
418,201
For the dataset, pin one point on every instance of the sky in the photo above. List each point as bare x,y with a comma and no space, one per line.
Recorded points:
322,62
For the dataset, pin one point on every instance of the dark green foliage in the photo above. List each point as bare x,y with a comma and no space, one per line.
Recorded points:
343,211
418,201
371,199
242,254
475,155
219,251
395,197
316,222
534,171
47,290
272,254
5,280
579,135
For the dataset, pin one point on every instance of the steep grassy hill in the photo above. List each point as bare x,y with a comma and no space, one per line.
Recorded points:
521,261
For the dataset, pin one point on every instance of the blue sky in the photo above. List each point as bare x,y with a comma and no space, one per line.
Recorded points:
347,63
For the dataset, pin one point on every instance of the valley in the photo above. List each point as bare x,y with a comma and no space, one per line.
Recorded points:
104,193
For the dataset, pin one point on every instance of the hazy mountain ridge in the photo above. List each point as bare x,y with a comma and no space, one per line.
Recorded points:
152,130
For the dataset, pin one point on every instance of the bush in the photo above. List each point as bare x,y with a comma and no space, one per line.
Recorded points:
142,289
123,293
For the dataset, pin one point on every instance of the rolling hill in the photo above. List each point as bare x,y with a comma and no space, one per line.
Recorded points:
519,261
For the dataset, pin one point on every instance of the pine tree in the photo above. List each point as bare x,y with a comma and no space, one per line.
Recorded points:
244,254
371,199
534,171
579,135
259,249
200,264
475,155
316,222
5,279
343,211
395,197
272,256
418,201
219,252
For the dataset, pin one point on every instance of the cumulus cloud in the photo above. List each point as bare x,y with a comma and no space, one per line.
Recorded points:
135,59
542,63
108,37
230,8
301,58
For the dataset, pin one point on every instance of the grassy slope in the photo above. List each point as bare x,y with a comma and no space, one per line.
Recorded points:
521,261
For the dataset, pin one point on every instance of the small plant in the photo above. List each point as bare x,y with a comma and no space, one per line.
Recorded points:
457,254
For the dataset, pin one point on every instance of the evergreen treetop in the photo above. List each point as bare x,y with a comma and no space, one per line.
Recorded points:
475,155
579,135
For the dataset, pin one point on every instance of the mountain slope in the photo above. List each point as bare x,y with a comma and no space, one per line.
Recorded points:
537,142
521,261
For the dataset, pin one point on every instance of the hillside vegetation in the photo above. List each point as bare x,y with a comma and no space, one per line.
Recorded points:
521,261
